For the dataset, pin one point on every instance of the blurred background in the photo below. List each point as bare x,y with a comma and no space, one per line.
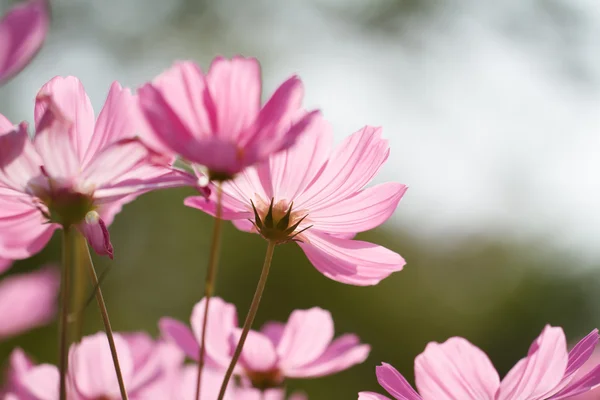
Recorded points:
491,110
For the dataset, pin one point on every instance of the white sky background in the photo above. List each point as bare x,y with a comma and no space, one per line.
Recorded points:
492,109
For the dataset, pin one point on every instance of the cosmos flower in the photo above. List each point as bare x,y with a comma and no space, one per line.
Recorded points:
22,32
77,171
316,196
215,120
456,369
301,348
146,366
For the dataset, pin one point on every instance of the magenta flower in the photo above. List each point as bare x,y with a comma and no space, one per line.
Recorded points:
91,375
216,120
76,171
27,301
316,196
302,348
22,33
456,369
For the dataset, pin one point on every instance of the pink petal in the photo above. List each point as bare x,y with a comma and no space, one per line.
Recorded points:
589,381
19,365
306,337
455,369
582,352
177,110
27,301
108,167
372,396
114,122
56,140
278,126
5,264
350,261
222,320
180,334
211,384
141,346
163,385
235,87
184,88
71,101
19,161
395,384
274,331
352,165
343,353
229,204
269,394
291,171
96,233
140,179
22,33
365,210
42,382
92,367
538,376
25,235
258,354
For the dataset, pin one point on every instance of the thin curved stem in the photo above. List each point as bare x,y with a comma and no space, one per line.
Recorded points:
209,284
63,327
107,327
250,317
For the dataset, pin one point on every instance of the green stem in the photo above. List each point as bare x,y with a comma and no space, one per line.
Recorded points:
250,317
79,284
63,346
209,283
107,327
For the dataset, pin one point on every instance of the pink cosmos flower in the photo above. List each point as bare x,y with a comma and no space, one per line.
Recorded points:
315,195
76,171
145,365
27,301
22,33
302,348
216,120
456,369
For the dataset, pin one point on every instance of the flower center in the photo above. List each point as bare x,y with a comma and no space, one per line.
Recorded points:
278,222
265,379
63,202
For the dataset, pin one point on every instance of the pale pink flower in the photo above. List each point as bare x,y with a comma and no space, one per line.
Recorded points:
76,171
91,376
22,33
456,369
301,348
215,120
27,300
316,196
